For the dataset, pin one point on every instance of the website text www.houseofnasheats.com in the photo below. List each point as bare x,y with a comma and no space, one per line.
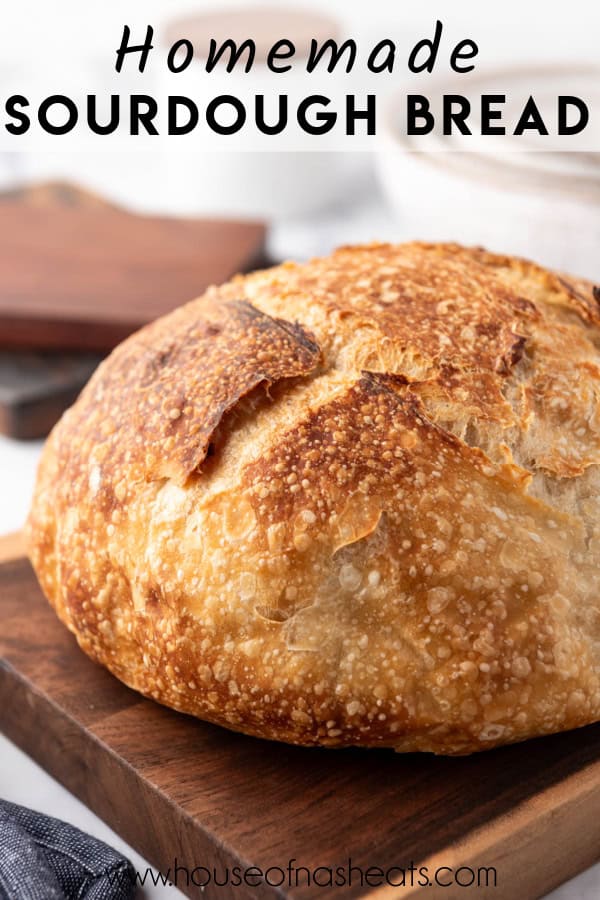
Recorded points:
294,875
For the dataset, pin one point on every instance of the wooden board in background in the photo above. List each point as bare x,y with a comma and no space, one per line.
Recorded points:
174,787
77,273
36,388
52,193
51,289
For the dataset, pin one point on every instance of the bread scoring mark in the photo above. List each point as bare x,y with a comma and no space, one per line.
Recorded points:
417,312
583,301
210,367
154,409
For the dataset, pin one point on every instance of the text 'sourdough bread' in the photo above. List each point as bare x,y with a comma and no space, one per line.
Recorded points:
355,501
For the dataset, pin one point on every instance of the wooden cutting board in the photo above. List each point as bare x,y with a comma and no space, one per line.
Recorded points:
176,788
85,274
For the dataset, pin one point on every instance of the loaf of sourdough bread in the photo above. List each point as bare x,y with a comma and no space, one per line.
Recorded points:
350,502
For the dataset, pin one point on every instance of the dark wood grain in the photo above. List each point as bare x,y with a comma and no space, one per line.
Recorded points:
178,788
81,274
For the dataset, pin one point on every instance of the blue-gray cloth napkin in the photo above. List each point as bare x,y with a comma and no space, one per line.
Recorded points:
42,858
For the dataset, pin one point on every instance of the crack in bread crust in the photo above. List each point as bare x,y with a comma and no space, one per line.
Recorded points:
348,502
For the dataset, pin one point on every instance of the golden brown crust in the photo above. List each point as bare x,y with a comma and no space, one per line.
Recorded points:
348,502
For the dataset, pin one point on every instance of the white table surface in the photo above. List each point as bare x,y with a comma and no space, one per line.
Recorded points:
22,780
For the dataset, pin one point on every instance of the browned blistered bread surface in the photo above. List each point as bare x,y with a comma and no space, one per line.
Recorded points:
355,501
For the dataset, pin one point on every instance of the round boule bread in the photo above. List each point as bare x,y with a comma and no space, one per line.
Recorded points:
351,502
